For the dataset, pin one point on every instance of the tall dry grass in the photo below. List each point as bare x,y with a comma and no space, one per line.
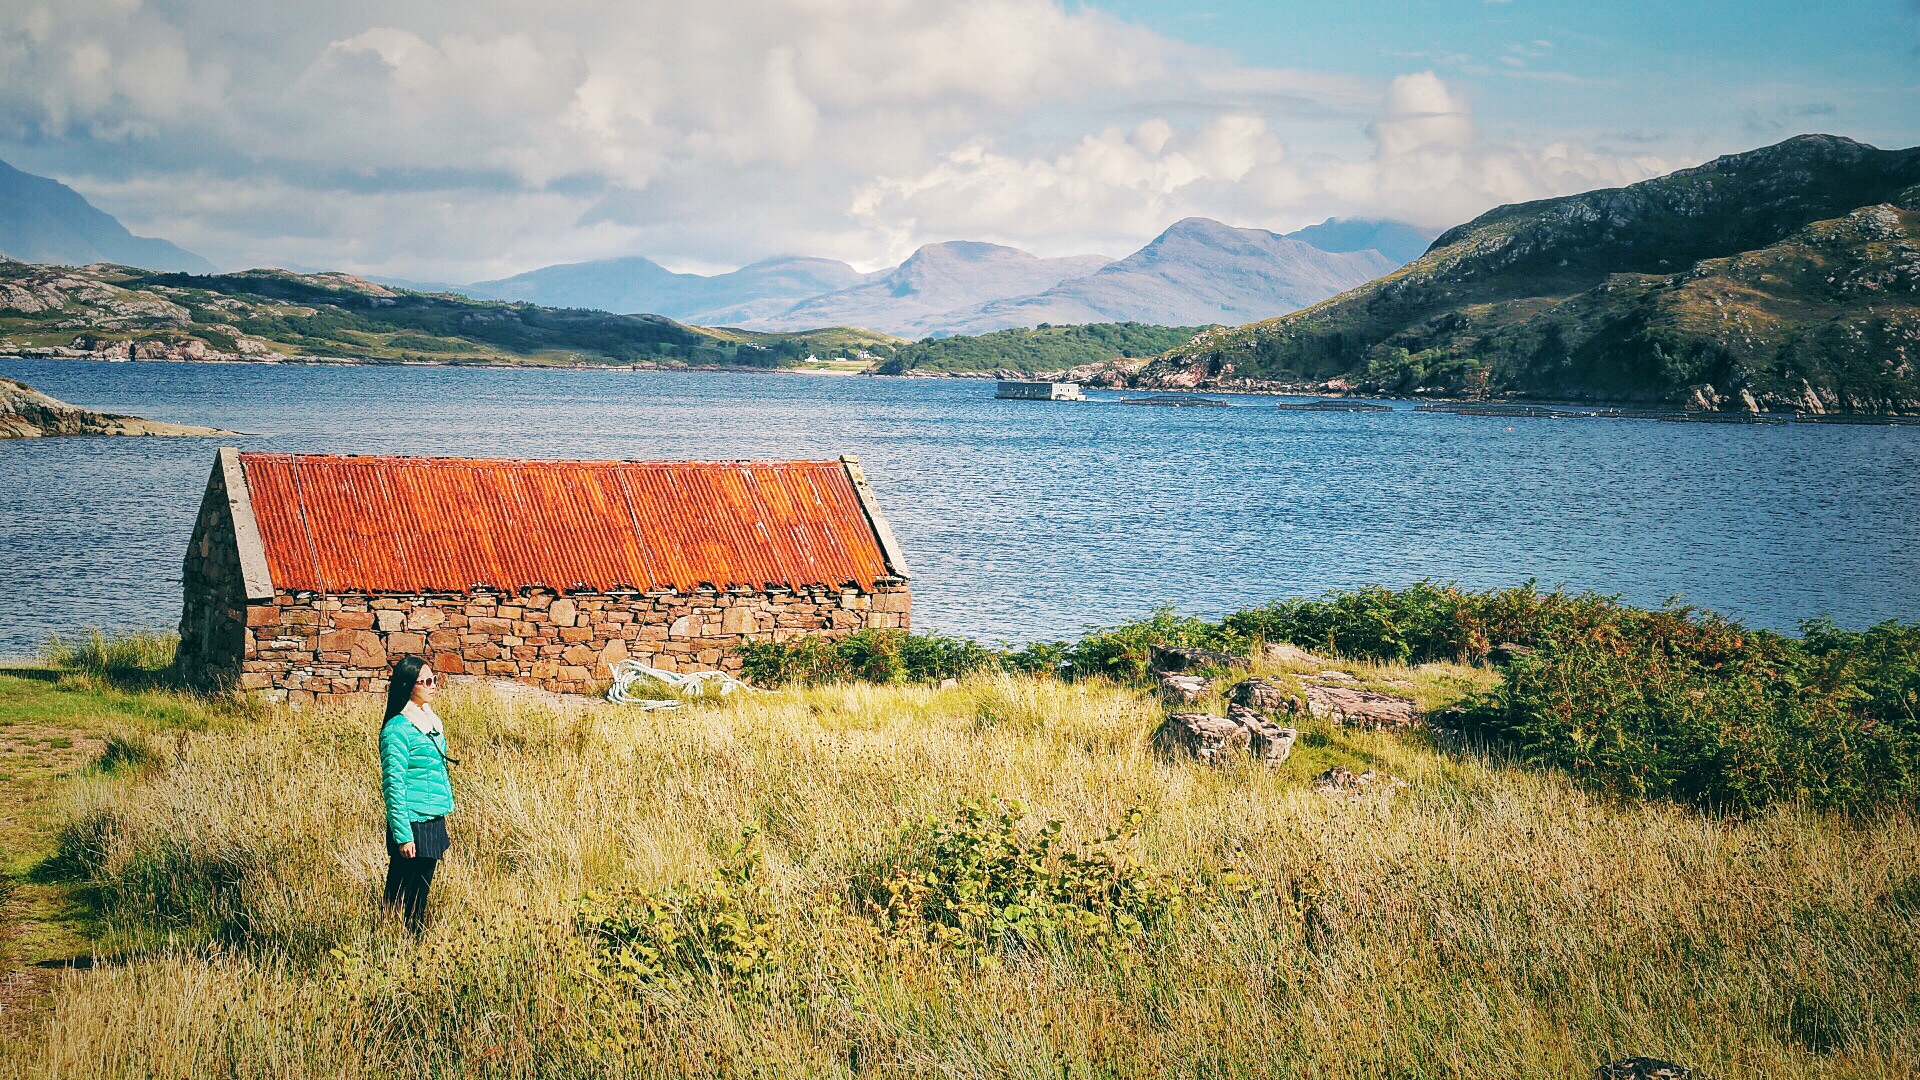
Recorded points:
1487,920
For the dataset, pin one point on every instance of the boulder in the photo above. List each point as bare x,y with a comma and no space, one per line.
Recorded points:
1210,738
1340,780
1642,1068
1362,709
1184,689
1266,741
1215,739
1285,653
1506,653
28,413
1265,696
1166,658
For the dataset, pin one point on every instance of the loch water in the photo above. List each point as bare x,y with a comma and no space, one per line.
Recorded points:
1029,519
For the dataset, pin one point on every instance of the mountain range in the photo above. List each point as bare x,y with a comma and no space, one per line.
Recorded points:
1197,272
1785,278
45,221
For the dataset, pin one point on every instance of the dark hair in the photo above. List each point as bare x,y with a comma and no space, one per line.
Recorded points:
406,673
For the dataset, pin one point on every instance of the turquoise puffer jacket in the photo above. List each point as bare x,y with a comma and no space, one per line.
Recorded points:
413,777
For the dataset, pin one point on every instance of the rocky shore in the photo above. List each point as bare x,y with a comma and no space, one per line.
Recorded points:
26,413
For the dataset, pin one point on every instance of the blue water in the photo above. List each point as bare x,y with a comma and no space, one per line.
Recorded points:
1031,519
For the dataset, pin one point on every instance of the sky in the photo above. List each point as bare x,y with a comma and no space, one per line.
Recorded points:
460,140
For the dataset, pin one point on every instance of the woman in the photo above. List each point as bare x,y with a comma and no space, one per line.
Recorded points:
413,777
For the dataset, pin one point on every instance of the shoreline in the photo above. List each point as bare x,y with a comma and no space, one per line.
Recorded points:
1516,406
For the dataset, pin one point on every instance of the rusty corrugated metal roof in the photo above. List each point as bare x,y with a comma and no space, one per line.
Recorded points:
414,525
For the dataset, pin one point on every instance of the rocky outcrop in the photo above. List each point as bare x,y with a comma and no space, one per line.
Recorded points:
26,413
1168,658
1285,653
1363,709
1184,689
1341,780
1215,739
1109,374
1642,1068
1267,741
174,347
1264,695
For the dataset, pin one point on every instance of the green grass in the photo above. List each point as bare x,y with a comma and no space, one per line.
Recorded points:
1490,919
90,715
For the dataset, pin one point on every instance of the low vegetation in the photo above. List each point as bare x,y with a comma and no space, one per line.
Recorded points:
1002,876
1674,702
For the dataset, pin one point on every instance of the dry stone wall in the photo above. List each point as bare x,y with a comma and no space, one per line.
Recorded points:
306,648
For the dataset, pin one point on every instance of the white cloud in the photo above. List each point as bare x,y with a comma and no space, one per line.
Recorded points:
465,140
103,67
1430,164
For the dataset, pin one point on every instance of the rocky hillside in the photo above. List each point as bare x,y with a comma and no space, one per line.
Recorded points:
1785,278
26,413
43,220
119,313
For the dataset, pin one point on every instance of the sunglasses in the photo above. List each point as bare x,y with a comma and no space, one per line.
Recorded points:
424,680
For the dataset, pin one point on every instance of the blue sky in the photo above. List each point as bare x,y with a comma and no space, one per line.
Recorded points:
456,140
1665,71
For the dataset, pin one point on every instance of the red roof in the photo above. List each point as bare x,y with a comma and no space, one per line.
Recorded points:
416,525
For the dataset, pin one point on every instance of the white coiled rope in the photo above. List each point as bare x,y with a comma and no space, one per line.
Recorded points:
628,672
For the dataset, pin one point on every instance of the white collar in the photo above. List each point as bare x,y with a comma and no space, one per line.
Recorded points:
422,717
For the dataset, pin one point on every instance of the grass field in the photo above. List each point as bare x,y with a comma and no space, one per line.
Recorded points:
1488,919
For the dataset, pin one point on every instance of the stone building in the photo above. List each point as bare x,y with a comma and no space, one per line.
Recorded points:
308,575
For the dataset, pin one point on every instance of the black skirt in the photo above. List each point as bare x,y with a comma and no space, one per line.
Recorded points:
429,840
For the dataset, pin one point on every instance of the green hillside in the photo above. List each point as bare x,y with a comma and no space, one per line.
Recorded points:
1042,348
1785,278
122,312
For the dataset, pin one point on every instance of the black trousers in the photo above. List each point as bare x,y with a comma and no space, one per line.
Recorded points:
408,879
407,882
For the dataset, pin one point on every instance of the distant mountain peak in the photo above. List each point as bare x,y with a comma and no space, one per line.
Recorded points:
966,251
45,221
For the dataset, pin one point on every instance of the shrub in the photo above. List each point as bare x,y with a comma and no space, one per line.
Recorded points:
1696,708
1124,651
1428,621
719,932
871,655
1035,658
778,663
984,880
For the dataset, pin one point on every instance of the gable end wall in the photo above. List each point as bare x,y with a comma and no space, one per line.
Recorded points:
214,611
